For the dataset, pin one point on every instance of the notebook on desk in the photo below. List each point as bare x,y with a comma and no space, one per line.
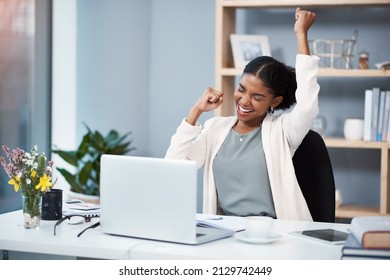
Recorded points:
152,198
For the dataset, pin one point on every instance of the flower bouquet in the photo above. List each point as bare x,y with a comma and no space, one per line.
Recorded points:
30,173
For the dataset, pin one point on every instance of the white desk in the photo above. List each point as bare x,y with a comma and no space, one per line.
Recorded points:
94,244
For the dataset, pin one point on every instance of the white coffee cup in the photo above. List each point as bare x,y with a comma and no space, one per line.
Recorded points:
258,226
353,129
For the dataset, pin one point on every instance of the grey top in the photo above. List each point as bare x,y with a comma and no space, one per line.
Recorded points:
241,177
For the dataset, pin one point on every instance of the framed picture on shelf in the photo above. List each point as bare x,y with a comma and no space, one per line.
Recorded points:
247,47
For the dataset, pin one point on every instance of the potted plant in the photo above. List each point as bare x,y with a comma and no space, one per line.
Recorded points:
85,178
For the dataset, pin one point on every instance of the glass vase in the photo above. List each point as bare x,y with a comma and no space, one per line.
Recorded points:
32,210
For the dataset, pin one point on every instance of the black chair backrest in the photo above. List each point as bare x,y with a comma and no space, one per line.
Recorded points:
314,172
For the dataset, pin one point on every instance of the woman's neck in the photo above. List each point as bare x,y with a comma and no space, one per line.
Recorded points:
246,127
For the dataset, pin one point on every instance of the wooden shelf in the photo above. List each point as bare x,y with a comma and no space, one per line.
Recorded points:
225,77
350,211
355,144
358,73
327,72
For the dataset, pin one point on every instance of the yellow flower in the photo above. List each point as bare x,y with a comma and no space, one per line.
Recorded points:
44,183
33,173
15,182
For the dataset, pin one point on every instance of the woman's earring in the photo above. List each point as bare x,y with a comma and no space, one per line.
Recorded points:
271,110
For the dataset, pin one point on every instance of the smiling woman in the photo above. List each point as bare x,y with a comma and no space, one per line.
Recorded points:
247,158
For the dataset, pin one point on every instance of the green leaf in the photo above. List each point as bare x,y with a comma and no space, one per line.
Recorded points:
83,148
120,149
71,179
99,140
69,156
113,142
112,135
85,173
41,165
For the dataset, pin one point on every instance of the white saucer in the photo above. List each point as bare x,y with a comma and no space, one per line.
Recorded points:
242,236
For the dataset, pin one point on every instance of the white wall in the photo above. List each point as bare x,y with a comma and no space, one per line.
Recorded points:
64,74
182,64
100,69
113,61
64,82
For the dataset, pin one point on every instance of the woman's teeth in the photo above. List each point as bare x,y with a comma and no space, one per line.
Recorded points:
244,110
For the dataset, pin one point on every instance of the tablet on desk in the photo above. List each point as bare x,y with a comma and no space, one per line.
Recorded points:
329,236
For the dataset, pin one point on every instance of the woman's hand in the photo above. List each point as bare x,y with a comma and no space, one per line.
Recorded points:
303,21
210,100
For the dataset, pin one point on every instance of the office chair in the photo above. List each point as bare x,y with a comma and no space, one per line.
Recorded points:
314,172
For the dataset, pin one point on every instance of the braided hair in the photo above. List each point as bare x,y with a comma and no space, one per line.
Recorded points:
278,77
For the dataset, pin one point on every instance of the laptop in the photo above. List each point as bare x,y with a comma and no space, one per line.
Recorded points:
152,198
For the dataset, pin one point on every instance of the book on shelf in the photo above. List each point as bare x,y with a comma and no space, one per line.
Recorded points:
375,113
352,249
386,116
372,231
381,114
367,115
